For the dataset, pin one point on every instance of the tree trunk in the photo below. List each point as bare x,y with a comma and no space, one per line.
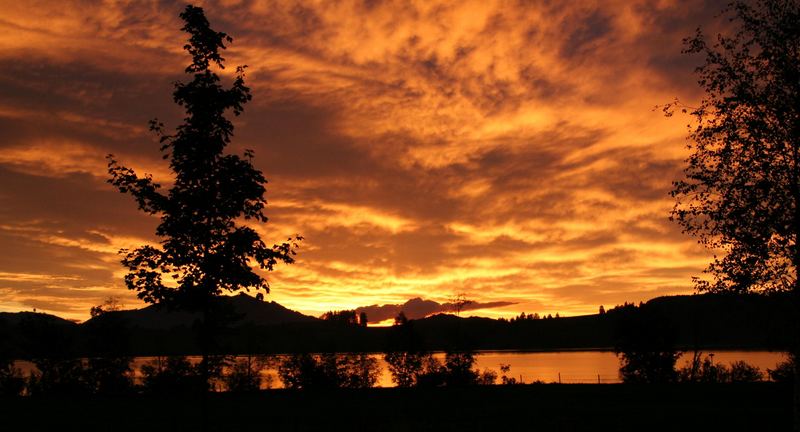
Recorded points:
795,321
795,355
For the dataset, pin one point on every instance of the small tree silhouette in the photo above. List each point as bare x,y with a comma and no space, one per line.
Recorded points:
645,346
111,304
11,380
459,302
204,251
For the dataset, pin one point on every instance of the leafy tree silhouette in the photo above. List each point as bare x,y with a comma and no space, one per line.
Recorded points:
406,357
205,251
741,194
11,380
344,317
244,375
645,346
706,370
173,375
111,304
328,371
783,372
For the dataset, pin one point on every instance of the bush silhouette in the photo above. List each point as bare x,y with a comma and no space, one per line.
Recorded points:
173,375
244,375
705,370
59,377
12,382
329,370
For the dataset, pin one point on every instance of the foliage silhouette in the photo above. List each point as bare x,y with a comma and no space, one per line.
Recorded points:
174,375
406,357
328,371
63,377
345,317
456,371
111,304
741,194
741,371
12,382
705,370
645,346
108,370
459,302
783,372
362,319
406,366
204,252
505,379
244,375
109,375
487,377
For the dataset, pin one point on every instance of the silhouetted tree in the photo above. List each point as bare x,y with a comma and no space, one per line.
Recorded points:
329,370
58,376
362,319
505,379
346,317
360,370
204,251
406,357
456,371
108,369
405,366
302,371
400,319
244,375
783,372
645,346
459,302
705,370
173,375
111,304
487,377
12,382
741,194
741,371
109,375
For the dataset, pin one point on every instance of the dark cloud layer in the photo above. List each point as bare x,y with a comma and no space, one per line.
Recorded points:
418,308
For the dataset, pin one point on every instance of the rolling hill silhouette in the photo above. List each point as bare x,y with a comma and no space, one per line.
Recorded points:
251,311
698,321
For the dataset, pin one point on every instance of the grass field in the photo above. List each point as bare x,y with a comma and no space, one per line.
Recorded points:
548,407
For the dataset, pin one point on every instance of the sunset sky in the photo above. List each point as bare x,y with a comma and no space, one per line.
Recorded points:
509,151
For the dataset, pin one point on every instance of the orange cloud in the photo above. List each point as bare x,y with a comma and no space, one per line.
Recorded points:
506,150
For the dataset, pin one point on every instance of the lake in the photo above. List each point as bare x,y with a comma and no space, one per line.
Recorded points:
563,366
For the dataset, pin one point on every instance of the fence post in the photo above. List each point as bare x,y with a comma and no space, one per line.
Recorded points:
559,377
598,378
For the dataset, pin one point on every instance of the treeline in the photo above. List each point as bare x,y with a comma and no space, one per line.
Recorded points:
646,356
648,349
179,375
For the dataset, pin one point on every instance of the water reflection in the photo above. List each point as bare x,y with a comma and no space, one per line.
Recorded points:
566,366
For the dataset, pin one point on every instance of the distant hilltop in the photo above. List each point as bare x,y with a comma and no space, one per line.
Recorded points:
248,310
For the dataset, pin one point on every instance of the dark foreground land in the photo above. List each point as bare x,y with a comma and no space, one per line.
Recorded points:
548,407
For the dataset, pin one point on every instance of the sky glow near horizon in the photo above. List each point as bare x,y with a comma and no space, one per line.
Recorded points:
508,151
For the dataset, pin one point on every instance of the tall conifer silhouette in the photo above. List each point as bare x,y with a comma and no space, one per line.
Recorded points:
205,249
